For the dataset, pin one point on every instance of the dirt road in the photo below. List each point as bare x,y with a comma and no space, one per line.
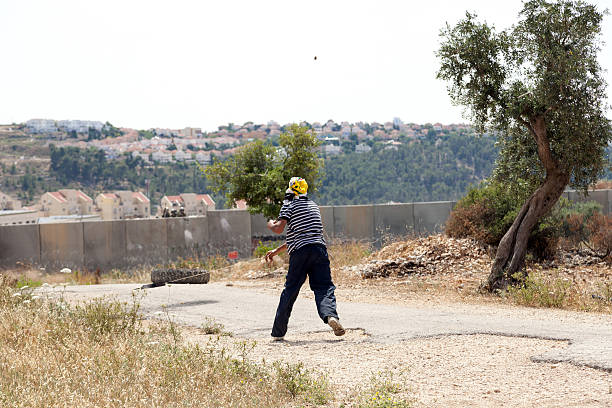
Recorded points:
449,354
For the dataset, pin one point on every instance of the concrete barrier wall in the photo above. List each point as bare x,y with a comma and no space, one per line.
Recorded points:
602,197
392,220
117,244
429,218
146,241
230,230
104,244
61,245
19,243
354,222
187,238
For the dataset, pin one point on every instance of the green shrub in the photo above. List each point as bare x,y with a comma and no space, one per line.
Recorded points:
382,393
301,382
264,247
535,291
488,211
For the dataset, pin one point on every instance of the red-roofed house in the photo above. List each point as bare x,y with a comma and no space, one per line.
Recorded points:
193,204
241,205
66,202
123,204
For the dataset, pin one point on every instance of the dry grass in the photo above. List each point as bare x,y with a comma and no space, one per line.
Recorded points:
33,277
346,254
585,289
99,355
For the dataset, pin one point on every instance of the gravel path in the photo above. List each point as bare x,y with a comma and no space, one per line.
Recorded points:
454,355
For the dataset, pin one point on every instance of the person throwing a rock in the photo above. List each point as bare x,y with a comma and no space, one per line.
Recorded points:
307,257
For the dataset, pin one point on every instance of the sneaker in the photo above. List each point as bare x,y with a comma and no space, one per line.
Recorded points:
335,324
281,338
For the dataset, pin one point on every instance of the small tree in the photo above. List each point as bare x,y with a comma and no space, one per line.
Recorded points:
259,172
539,86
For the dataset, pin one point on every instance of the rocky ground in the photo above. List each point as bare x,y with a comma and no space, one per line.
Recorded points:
449,371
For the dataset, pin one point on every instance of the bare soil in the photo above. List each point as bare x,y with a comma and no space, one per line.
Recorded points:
447,371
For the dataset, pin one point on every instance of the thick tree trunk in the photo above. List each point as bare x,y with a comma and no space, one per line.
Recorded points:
511,251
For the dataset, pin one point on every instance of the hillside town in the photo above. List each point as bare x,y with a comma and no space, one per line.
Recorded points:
188,144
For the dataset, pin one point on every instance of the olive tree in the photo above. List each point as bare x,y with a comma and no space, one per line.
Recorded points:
539,87
259,172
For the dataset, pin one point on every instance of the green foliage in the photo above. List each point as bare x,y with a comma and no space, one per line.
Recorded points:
542,69
264,247
300,382
535,291
211,326
146,134
439,167
487,211
25,282
259,172
102,317
381,393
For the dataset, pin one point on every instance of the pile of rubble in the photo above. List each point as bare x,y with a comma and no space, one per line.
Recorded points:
435,254
577,258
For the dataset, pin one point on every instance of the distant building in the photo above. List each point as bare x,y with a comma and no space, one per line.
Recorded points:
41,126
193,204
8,203
17,217
189,132
240,205
161,156
180,155
203,157
143,155
79,126
66,202
122,204
362,148
332,150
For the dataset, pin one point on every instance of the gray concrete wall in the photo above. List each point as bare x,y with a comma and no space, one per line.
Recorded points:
392,220
187,238
259,227
146,241
354,222
327,217
116,244
61,245
230,230
19,243
430,217
104,245
602,197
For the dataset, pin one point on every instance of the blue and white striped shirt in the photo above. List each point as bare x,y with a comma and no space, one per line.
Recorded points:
304,225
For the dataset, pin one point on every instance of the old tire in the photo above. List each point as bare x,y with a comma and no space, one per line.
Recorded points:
161,276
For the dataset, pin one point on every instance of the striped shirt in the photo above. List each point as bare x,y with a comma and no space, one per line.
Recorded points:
304,224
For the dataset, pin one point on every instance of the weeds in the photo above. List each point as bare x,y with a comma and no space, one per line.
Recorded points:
382,393
211,326
301,382
98,354
535,291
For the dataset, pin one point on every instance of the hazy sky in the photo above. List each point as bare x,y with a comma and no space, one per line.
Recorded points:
203,63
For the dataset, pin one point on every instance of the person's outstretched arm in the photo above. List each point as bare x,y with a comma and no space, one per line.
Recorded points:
273,252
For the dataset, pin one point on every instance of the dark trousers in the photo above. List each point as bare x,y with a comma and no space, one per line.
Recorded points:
308,260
